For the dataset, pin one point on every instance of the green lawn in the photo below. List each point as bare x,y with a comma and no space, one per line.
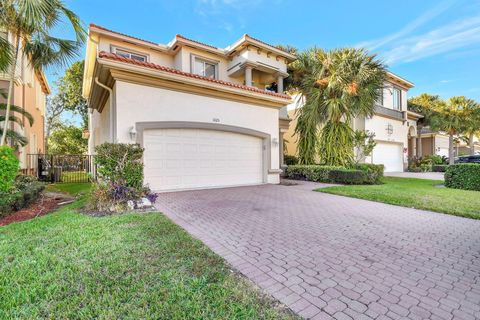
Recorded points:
67,265
70,188
416,193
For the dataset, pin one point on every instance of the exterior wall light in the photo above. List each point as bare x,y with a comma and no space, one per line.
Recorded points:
133,133
85,134
275,142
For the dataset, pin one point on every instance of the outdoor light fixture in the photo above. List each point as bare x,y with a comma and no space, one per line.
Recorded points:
275,142
133,133
85,134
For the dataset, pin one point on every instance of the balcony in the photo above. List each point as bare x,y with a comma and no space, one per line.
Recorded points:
390,113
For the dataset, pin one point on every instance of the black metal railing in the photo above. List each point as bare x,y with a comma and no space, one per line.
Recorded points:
392,113
71,168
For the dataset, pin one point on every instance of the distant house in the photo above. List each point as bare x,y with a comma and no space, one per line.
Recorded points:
434,142
206,116
30,91
394,127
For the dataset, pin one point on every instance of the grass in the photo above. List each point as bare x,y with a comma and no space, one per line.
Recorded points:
67,265
70,188
416,193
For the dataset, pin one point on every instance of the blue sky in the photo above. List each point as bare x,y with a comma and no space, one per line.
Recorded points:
434,44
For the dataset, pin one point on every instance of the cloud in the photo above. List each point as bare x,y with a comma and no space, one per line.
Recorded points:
412,26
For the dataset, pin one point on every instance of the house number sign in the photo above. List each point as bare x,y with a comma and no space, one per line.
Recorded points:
389,129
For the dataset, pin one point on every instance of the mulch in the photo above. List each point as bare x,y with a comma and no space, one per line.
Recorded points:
48,202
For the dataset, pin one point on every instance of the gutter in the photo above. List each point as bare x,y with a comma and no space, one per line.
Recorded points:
112,111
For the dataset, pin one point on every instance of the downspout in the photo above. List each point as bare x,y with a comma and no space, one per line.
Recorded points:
112,113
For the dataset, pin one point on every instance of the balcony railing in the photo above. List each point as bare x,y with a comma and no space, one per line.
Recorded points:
391,113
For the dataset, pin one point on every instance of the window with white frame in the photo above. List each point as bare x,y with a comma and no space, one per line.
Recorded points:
397,99
205,68
380,97
129,54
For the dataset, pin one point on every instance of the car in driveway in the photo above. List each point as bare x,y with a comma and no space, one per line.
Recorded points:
468,159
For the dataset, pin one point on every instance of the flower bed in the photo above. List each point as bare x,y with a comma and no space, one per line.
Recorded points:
25,191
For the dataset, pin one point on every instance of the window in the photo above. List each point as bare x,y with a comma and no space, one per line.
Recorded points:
380,97
129,55
205,68
397,99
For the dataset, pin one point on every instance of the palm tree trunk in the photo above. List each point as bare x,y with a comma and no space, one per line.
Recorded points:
470,144
10,91
451,155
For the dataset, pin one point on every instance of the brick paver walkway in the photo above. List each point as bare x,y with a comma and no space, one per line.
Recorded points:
327,256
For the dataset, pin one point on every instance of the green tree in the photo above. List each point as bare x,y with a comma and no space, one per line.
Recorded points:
67,139
17,139
30,23
337,86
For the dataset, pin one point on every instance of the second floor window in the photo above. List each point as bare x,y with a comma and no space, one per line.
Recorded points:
380,97
130,55
397,99
205,68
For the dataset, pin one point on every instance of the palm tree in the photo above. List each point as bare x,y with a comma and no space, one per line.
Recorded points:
16,138
473,127
30,24
337,86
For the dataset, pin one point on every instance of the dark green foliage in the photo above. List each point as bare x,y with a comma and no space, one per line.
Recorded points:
290,160
120,162
439,167
8,168
373,172
463,176
24,192
435,159
348,176
370,173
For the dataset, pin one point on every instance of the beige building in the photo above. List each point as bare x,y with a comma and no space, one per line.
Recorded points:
438,142
30,91
394,127
202,113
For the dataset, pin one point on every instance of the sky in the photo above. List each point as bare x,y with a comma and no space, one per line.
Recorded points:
433,43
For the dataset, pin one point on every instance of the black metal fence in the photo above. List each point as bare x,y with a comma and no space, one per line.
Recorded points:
72,168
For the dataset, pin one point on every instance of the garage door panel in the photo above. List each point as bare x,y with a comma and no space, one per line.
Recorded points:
198,158
390,155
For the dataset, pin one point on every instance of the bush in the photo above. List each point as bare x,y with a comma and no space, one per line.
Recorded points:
463,176
290,160
373,172
314,173
24,192
370,173
120,161
9,166
439,167
348,176
434,159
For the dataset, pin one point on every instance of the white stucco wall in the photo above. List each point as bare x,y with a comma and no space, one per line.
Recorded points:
139,103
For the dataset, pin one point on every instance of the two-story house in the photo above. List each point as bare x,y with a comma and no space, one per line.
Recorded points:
206,116
30,91
394,127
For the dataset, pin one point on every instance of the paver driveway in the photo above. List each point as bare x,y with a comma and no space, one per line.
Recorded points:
329,256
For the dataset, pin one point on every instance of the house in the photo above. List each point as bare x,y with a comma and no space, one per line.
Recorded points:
202,113
395,127
30,91
434,142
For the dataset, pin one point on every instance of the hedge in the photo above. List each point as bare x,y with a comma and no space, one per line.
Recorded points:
25,191
463,176
358,174
9,165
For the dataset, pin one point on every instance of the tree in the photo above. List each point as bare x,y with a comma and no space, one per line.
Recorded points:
364,143
473,127
337,86
67,139
16,138
30,24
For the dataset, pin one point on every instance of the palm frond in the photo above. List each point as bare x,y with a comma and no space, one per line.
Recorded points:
17,109
16,138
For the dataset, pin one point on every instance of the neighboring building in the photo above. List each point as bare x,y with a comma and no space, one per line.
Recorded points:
30,91
395,128
438,142
202,113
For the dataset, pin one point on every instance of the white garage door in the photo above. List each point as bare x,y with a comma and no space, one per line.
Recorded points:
197,158
390,155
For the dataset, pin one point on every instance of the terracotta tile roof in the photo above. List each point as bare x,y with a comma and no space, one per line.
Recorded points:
111,56
122,34
198,42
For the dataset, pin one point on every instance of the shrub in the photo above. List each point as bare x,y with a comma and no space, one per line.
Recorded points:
24,192
290,160
439,167
348,176
120,161
463,176
373,172
9,166
435,159
314,173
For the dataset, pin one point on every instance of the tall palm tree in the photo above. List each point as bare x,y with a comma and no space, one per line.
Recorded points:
473,126
337,86
30,23
16,138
